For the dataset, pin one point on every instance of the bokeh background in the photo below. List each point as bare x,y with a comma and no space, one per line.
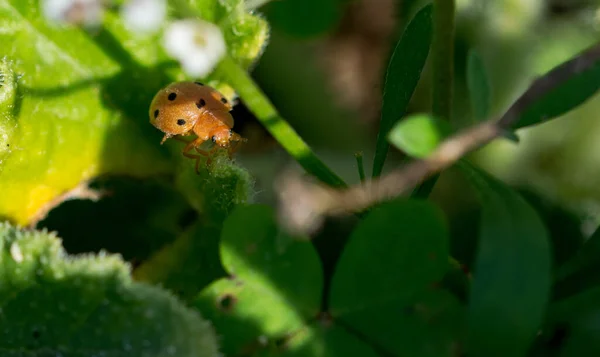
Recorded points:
326,80
323,69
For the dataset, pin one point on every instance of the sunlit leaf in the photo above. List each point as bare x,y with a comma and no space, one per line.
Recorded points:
419,135
271,292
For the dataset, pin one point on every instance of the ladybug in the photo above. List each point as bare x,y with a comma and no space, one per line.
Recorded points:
192,108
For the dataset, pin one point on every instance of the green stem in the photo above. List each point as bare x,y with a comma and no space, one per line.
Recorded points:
258,103
361,166
442,48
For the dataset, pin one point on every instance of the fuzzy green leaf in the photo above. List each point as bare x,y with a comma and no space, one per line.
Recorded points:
271,291
511,283
52,304
246,35
383,283
419,135
214,194
403,74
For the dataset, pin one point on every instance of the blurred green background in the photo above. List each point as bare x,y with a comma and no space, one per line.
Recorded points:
325,77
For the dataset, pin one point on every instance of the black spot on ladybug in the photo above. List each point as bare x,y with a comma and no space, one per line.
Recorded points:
214,139
200,103
223,100
155,113
172,96
198,83
180,121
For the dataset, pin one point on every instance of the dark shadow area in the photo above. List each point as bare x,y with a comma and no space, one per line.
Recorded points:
329,243
134,218
563,226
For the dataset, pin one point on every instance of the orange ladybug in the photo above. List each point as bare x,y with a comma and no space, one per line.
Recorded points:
187,108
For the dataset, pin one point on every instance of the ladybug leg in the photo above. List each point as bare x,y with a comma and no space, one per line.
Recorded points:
194,145
187,142
235,140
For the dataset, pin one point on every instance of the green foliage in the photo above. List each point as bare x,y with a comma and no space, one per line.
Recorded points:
305,18
403,74
479,86
576,89
74,104
509,274
269,292
246,34
273,293
213,194
54,304
580,272
418,135
384,281
512,278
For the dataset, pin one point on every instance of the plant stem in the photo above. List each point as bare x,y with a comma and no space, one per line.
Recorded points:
361,166
442,48
258,103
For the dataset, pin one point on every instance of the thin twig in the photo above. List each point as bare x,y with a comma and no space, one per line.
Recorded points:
304,205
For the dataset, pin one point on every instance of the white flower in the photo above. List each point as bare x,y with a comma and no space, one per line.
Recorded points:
87,12
198,45
144,16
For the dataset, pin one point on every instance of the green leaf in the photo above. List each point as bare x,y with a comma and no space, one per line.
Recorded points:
270,292
576,320
587,255
479,86
573,92
54,304
304,18
583,337
383,285
511,281
581,271
419,135
563,225
78,107
213,193
321,339
74,104
403,74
